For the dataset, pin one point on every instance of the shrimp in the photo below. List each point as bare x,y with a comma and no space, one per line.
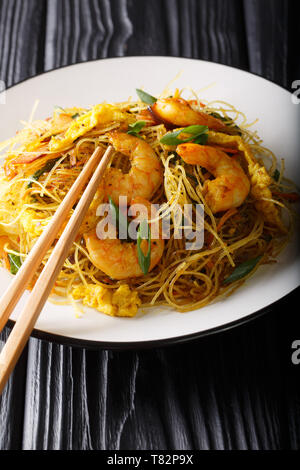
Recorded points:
118,258
259,178
145,175
178,111
231,185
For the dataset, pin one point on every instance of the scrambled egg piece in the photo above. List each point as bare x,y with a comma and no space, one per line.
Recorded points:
117,303
101,114
259,178
31,223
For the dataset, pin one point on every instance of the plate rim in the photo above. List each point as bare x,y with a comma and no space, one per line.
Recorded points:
152,344
81,62
149,344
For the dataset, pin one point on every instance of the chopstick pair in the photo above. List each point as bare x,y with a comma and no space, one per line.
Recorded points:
42,289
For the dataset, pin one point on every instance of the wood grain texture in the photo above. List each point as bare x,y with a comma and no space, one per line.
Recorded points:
12,403
236,390
77,31
267,38
21,39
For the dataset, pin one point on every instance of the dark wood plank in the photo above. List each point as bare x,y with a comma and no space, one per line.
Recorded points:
12,402
267,37
293,37
206,29
231,391
22,30
21,55
78,31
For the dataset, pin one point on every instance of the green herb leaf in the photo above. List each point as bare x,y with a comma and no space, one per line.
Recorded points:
201,140
45,169
76,115
145,97
242,270
135,128
276,175
144,234
15,263
198,135
227,121
121,221
60,108
172,138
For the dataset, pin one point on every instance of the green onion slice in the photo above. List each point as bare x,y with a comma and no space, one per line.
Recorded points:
15,263
198,135
144,233
135,128
121,221
145,97
242,270
45,169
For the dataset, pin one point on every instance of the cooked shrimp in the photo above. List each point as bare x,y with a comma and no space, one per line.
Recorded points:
118,258
177,111
231,185
259,178
145,175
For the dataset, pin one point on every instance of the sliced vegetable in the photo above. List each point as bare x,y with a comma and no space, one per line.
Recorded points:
242,270
145,97
210,264
276,175
135,128
195,102
25,159
292,197
198,135
121,221
144,234
45,169
225,217
227,121
60,109
15,263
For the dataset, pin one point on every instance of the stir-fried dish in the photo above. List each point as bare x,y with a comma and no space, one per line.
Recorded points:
170,153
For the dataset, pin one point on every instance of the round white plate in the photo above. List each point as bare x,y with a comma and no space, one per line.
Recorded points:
115,80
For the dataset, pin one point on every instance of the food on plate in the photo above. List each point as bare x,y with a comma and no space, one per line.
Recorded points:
190,206
230,187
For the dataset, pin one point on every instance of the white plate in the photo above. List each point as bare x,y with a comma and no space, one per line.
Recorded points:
116,79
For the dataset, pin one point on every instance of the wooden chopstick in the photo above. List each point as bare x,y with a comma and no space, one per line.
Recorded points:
27,319
33,261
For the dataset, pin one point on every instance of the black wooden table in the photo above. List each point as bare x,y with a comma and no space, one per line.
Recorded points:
234,390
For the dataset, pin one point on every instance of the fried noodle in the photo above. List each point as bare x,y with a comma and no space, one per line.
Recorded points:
183,279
